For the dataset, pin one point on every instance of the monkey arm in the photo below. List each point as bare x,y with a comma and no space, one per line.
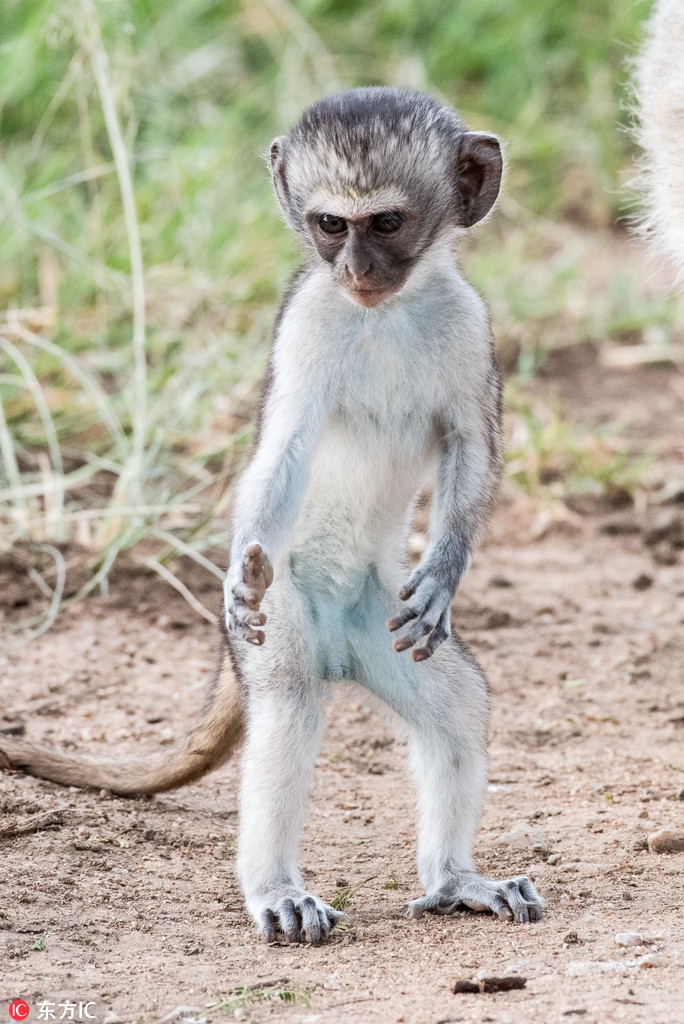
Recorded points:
467,478
268,500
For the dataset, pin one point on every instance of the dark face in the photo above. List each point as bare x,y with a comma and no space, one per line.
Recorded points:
371,255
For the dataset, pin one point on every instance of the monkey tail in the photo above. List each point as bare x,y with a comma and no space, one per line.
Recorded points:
204,747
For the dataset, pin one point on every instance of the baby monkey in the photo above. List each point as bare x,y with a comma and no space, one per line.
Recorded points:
381,378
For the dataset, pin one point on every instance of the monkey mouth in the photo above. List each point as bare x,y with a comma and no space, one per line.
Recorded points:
370,296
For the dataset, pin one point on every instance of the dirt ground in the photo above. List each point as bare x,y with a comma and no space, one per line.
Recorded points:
578,621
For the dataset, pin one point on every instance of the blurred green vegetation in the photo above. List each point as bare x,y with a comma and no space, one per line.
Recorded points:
118,452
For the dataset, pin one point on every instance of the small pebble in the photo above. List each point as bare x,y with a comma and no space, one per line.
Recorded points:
666,841
652,960
629,939
555,858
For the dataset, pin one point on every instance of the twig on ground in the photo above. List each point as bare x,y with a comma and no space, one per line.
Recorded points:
34,823
490,984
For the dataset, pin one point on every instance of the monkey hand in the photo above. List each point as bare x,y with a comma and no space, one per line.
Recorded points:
243,592
429,613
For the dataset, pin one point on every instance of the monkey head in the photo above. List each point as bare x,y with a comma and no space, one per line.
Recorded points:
370,179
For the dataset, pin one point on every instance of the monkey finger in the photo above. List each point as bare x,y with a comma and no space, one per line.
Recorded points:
426,650
241,614
415,632
236,621
423,583
404,616
255,619
248,595
251,564
257,571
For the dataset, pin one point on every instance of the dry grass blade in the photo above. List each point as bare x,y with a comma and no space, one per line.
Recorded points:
34,823
87,381
171,578
185,549
33,385
98,59
11,469
56,598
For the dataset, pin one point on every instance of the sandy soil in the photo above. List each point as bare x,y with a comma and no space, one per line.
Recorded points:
578,622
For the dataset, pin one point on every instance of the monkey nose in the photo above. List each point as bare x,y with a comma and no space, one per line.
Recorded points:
358,271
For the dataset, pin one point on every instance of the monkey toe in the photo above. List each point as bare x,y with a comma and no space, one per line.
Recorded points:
324,923
267,926
311,925
288,919
301,918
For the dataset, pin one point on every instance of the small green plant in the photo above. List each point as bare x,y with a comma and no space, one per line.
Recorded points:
546,452
345,895
40,944
391,884
271,991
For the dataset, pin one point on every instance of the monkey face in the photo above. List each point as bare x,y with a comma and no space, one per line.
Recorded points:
371,255
371,178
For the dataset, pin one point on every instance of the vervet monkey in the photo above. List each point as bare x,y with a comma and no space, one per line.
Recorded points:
659,84
381,377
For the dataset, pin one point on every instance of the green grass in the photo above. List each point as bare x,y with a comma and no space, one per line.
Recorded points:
142,254
555,459
346,893
247,995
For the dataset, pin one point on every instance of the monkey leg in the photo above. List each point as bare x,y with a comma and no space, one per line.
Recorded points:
285,723
444,701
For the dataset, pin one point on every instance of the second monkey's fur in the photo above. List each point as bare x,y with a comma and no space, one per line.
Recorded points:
381,378
659,86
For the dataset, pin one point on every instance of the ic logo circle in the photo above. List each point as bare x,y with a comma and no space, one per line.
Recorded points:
19,1009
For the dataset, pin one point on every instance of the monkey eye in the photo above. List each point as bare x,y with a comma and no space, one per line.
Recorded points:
332,225
387,223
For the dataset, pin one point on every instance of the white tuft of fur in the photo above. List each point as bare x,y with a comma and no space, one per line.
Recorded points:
325,200
659,84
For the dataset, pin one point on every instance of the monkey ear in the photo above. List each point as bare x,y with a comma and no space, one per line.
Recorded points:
276,156
275,153
479,167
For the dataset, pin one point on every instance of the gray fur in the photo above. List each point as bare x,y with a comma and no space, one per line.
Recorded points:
365,403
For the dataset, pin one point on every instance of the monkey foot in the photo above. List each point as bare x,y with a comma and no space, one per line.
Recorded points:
515,899
298,915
